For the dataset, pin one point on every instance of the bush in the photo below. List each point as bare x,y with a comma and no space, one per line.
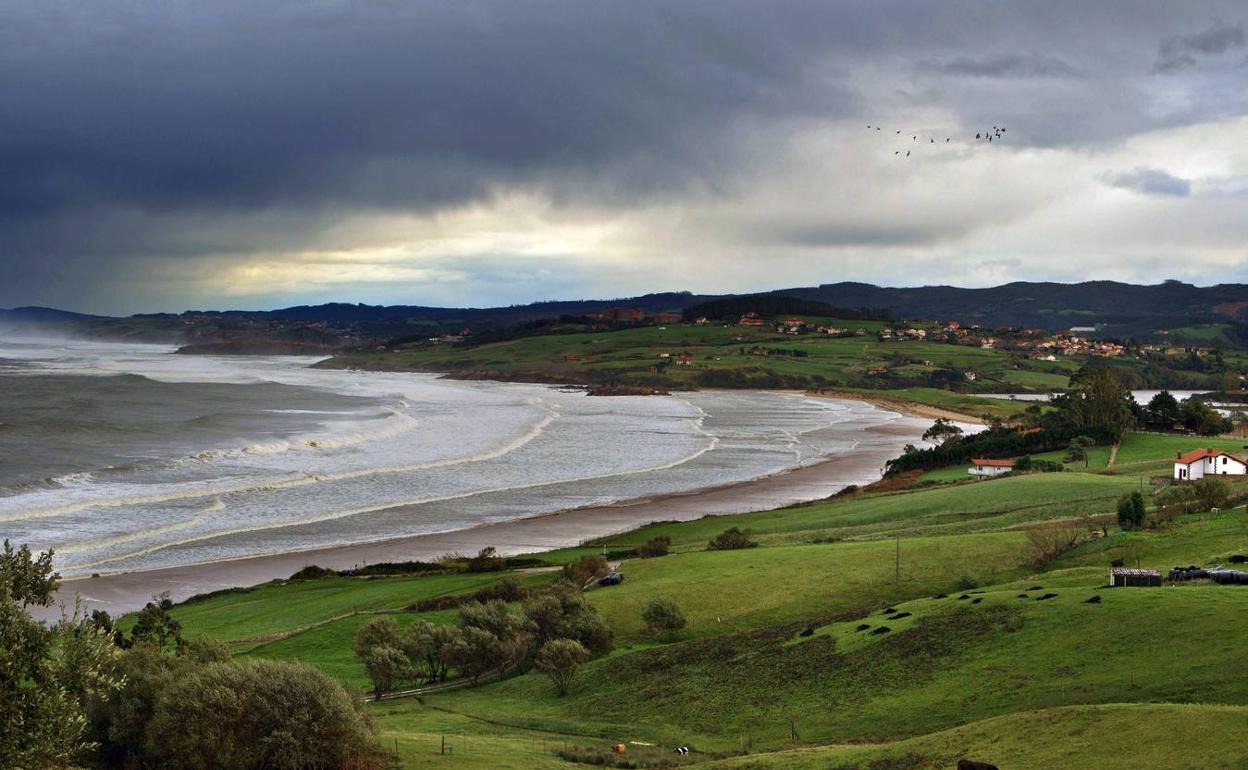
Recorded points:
559,659
1046,542
264,713
966,583
486,560
1131,511
655,546
313,572
562,612
585,569
731,539
1211,492
663,617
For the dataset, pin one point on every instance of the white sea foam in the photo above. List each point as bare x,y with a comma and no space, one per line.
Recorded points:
402,454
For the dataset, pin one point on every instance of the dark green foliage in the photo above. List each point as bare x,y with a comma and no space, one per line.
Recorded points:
399,568
655,546
732,308
731,539
1029,463
942,431
156,626
998,442
1131,511
663,617
486,560
562,612
261,714
313,572
1077,450
1199,417
1162,412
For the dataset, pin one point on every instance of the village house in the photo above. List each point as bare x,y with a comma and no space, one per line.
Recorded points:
684,359
986,469
1199,463
792,326
752,319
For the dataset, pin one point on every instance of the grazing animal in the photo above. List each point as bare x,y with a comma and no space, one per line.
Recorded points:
963,596
1046,596
807,632
1023,596
970,764
976,600
881,630
899,616
889,610
1036,588
1093,600
863,627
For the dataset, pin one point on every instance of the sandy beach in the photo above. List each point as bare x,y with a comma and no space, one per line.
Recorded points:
124,592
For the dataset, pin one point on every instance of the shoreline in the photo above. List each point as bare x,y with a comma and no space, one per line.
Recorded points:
904,406
127,591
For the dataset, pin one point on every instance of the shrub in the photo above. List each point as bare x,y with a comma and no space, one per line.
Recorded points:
731,539
313,572
1211,492
264,713
663,617
655,546
486,560
585,569
1131,511
966,583
559,659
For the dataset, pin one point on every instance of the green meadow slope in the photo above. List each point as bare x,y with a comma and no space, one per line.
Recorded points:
985,653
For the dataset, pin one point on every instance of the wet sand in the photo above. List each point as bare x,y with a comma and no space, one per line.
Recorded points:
124,592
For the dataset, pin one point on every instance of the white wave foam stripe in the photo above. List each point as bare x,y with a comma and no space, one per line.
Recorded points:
284,482
129,537
343,514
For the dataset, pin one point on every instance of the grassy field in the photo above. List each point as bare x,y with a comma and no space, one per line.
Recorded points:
627,355
975,661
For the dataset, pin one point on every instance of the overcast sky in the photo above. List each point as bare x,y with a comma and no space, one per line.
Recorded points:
177,154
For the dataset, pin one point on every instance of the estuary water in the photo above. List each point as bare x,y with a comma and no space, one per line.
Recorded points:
128,457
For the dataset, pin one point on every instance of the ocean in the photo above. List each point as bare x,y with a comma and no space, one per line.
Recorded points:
127,457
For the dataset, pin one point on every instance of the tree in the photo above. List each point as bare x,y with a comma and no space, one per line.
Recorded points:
561,611
1046,542
1163,411
1078,449
663,617
155,624
559,659
431,645
47,675
942,431
1211,492
386,666
731,539
377,645
1131,511
264,713
1096,397
1199,417
476,652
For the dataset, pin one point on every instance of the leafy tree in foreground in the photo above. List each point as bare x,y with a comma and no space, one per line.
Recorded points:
559,659
942,431
663,617
1078,449
47,675
262,714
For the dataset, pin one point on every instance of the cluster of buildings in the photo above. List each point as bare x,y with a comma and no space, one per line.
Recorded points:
633,315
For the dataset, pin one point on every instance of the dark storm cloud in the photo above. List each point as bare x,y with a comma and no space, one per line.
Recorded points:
1010,65
1151,181
1185,51
174,130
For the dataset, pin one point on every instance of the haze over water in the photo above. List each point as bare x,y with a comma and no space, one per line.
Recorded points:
125,457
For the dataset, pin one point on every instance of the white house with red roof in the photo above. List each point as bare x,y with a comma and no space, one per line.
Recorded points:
1199,463
988,468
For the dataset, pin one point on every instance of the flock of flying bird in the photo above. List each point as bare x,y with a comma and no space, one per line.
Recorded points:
995,133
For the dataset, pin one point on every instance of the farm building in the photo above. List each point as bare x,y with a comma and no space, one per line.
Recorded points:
989,468
1120,577
1199,463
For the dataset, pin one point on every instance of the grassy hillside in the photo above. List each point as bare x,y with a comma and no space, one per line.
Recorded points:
724,355
986,654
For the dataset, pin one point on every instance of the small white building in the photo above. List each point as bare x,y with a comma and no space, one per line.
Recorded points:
988,468
1199,463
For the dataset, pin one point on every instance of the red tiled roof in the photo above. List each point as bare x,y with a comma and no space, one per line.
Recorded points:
994,463
1200,454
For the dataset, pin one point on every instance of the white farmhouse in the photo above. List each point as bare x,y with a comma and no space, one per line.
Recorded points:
989,468
1199,463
